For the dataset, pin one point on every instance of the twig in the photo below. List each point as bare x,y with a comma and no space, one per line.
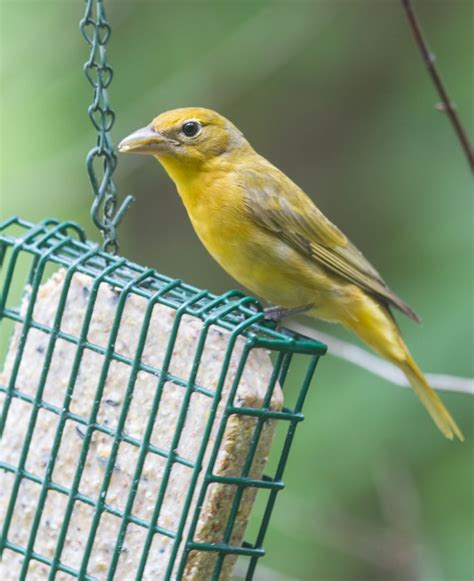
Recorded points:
360,357
446,103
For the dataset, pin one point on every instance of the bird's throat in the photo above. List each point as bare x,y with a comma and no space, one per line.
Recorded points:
186,176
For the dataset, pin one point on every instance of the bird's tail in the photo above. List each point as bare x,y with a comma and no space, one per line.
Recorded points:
430,399
376,326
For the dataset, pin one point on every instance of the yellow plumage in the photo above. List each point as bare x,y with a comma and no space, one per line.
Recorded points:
267,233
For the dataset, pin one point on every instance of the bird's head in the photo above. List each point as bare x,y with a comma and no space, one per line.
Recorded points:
192,136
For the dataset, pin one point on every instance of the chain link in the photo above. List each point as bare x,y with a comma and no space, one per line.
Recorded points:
101,160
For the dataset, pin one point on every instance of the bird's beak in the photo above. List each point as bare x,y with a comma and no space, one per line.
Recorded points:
145,140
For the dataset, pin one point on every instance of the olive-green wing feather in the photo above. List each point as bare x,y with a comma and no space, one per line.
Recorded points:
292,216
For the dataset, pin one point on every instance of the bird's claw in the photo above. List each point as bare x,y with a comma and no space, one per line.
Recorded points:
276,314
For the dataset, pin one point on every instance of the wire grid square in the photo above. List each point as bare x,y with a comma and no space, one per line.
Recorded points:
104,431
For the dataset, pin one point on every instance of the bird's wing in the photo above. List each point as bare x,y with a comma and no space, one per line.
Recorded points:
279,206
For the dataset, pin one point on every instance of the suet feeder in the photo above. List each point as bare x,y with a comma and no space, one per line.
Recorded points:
137,412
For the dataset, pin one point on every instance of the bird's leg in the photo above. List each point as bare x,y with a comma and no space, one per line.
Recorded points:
278,313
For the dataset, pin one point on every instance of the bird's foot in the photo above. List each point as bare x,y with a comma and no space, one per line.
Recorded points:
278,313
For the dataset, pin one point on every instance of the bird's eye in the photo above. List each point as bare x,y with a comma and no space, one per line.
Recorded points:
191,128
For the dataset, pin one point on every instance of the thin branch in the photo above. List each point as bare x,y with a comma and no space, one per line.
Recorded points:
446,103
362,358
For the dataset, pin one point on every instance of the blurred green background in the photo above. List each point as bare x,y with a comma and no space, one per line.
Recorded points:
335,94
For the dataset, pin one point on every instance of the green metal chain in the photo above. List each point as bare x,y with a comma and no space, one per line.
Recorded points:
104,211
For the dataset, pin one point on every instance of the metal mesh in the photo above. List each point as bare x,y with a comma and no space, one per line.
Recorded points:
34,252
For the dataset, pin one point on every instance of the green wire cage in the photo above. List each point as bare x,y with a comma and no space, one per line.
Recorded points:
237,322
137,412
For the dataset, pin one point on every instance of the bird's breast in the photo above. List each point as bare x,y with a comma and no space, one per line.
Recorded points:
265,265
255,257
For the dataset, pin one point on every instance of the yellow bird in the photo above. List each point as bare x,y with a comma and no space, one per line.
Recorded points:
268,234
